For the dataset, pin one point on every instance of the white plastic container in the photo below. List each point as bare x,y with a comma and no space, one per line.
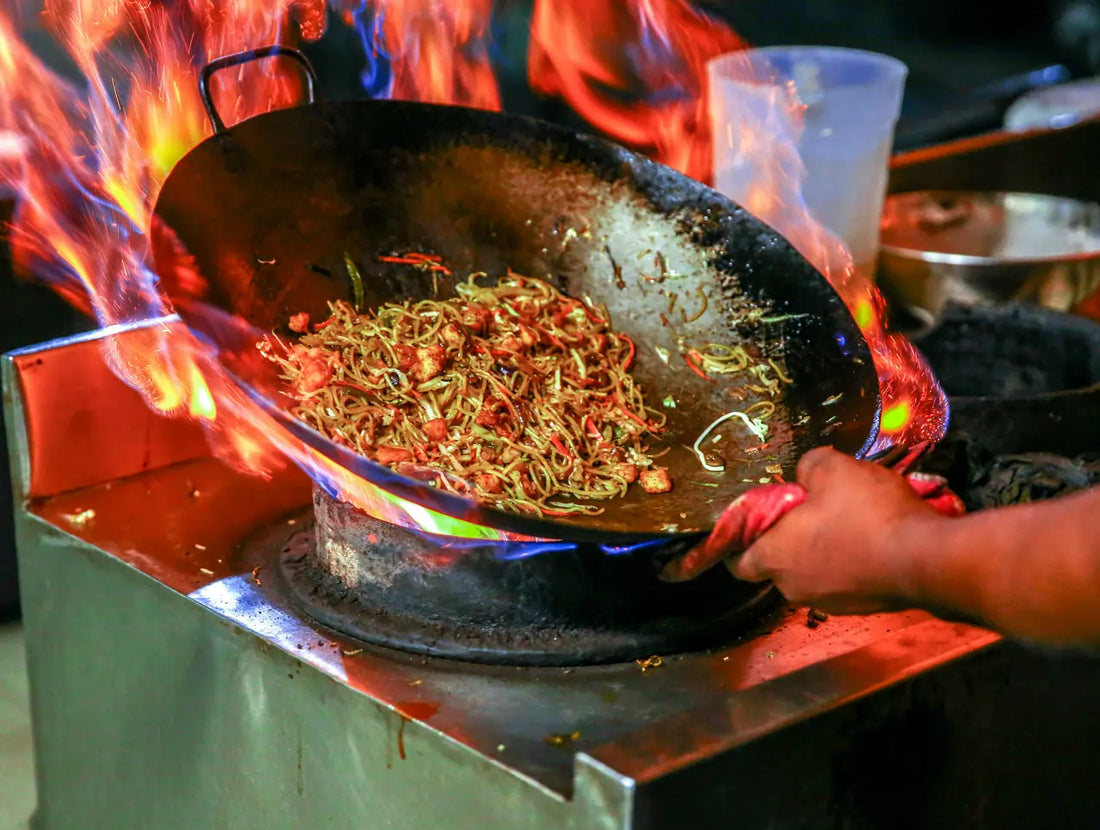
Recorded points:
840,150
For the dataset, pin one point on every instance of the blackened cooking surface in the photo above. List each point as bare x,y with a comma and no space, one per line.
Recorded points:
392,587
270,208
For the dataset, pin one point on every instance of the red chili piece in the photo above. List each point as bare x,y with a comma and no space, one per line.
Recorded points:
560,447
697,369
633,351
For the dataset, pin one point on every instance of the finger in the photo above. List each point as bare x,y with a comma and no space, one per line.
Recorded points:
688,566
749,566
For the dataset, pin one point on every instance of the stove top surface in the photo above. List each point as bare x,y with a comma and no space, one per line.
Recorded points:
184,526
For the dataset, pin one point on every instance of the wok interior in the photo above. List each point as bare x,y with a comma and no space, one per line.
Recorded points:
270,209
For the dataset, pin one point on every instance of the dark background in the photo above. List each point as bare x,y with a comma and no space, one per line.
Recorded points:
967,60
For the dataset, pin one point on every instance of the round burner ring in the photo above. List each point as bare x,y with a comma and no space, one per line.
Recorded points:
392,587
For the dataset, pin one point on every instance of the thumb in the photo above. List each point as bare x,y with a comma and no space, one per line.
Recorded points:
749,566
818,465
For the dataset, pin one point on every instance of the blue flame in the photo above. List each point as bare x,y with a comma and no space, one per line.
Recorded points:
325,483
377,76
132,296
511,551
514,551
623,550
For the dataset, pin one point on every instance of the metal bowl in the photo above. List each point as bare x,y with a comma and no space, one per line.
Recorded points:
988,248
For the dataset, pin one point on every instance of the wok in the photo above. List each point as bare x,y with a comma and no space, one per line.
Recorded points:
270,207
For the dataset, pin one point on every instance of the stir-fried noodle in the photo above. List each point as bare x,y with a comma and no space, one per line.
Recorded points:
515,388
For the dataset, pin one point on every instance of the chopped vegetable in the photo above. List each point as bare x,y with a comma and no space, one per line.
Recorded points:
690,359
702,309
356,281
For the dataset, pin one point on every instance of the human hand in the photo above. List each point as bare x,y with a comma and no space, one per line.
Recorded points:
843,548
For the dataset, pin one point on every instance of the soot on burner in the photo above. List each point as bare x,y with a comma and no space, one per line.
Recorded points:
1024,386
1020,378
483,601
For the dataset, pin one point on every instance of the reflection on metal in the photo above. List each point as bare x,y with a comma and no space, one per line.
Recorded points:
105,438
237,599
989,248
1055,162
172,689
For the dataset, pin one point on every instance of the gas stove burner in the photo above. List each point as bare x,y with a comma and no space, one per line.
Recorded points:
1036,387
483,602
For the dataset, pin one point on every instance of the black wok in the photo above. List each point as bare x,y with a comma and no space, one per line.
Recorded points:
269,208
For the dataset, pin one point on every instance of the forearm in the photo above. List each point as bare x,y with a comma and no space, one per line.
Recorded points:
1029,571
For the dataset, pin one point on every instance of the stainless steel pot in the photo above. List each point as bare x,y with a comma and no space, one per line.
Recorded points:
988,248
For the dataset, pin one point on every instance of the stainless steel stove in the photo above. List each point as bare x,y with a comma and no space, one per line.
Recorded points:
174,685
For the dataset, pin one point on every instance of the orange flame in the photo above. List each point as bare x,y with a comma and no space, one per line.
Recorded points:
87,171
87,167
648,88
914,407
651,92
437,51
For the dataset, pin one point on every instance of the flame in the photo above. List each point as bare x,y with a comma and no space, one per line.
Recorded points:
87,170
648,90
434,51
87,166
651,92
914,406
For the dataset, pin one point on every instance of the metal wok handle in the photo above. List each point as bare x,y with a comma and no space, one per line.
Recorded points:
237,59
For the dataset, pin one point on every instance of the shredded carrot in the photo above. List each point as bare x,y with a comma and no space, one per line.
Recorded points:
633,351
430,262
560,447
697,369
